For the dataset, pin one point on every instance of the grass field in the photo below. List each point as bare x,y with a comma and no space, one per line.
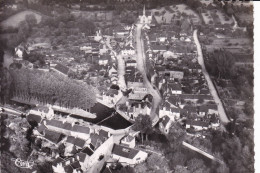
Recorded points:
174,10
236,45
15,20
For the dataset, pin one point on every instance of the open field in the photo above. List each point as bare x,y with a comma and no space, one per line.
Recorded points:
235,45
207,17
168,12
15,20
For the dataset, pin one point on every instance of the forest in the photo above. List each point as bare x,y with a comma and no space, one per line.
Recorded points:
51,88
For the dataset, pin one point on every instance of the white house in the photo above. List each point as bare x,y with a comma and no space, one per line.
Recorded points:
128,141
112,71
197,125
172,112
128,50
128,156
131,63
165,124
44,112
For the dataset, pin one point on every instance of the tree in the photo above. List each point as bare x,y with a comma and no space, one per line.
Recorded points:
181,169
176,135
197,166
143,123
31,20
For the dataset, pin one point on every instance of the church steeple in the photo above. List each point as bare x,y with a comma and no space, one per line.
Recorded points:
144,11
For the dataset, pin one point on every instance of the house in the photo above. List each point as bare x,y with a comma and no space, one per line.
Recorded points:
79,143
197,125
173,113
43,111
128,141
128,50
61,69
158,48
174,88
204,91
52,136
128,156
73,129
134,80
189,110
141,108
104,59
165,124
214,121
174,101
69,165
112,71
208,109
111,96
131,63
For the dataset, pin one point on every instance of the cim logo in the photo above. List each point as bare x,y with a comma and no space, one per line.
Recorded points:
23,164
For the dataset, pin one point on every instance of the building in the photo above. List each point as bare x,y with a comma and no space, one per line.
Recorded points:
128,156
145,19
173,113
131,63
174,88
128,50
61,69
165,124
43,111
128,141
197,125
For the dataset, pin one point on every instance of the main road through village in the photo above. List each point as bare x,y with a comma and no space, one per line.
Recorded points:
141,65
221,110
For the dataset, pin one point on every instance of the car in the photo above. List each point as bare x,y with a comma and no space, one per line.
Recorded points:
100,157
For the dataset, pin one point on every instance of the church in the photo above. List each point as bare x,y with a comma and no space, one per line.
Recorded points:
145,19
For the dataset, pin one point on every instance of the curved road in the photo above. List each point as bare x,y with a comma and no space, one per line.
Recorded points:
142,68
221,110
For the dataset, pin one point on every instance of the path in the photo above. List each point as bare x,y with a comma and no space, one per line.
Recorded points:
141,65
221,110
202,152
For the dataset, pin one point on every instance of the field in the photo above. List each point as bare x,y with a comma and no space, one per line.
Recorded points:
217,17
15,20
235,45
207,17
168,12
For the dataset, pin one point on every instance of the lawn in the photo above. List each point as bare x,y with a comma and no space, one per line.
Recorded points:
15,20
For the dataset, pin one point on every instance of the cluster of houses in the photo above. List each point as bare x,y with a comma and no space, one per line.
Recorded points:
85,145
186,97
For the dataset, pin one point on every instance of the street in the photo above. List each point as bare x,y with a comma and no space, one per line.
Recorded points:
141,65
221,110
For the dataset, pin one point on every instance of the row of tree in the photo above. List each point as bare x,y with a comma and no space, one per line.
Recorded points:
52,88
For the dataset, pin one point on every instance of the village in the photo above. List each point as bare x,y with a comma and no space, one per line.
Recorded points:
150,67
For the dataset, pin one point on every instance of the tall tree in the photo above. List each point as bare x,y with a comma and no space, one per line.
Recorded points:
143,123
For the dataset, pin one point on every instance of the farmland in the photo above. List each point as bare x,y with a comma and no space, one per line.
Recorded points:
15,20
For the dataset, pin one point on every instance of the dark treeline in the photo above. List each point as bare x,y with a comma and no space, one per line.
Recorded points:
51,88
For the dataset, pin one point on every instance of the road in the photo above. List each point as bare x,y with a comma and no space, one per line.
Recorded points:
213,91
141,65
201,152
